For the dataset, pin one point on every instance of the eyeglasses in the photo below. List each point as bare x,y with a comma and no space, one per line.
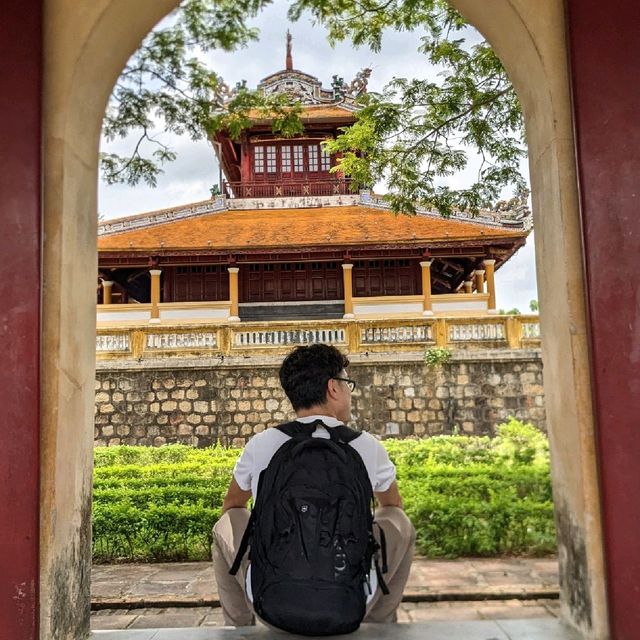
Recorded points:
350,383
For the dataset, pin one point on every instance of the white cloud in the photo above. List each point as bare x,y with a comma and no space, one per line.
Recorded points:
516,280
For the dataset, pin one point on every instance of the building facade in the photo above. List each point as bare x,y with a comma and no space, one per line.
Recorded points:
290,239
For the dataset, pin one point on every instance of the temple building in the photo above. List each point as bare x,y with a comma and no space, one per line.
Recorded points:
288,239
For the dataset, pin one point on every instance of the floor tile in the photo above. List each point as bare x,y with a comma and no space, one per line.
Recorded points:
482,630
505,612
115,621
537,629
183,619
146,634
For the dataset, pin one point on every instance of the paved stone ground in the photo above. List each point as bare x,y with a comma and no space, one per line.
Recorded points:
521,629
184,594
410,612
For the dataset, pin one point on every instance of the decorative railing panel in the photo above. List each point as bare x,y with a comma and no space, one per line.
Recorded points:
531,330
275,337
117,342
476,332
393,335
205,340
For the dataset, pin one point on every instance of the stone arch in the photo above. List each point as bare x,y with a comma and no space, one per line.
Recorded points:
530,41
85,51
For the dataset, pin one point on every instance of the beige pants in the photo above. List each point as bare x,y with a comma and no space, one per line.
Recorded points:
237,610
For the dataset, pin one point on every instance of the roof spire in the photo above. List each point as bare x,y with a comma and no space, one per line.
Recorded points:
289,66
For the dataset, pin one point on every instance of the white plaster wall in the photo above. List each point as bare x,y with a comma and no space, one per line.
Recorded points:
463,305
203,313
385,308
114,316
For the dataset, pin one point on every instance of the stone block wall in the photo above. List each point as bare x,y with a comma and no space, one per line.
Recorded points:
227,403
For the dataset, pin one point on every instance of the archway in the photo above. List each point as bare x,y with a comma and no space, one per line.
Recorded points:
78,79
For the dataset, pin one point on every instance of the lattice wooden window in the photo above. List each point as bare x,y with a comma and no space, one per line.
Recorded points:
271,159
258,159
313,157
286,158
325,159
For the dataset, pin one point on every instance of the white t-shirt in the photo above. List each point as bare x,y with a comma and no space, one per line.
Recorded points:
261,448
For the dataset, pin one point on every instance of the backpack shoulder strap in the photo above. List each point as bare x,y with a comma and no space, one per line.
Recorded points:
340,434
343,434
298,429
244,544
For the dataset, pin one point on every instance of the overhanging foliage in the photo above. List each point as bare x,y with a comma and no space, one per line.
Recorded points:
414,134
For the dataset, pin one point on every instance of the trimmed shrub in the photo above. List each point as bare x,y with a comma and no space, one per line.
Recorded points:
465,496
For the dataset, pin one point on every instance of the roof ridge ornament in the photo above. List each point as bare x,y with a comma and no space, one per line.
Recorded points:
289,59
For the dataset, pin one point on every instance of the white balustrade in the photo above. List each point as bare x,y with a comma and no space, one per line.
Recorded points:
112,342
377,335
476,332
193,340
531,330
166,341
288,337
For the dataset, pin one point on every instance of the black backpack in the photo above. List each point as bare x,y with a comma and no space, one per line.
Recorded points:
311,535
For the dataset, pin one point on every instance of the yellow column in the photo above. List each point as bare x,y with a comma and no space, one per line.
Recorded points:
426,288
348,290
513,331
479,281
468,286
107,286
233,294
155,295
441,331
489,267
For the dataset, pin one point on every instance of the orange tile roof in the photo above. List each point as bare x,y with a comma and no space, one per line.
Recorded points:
311,112
286,228
327,111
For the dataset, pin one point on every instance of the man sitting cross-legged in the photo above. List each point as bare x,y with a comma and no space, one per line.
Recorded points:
313,544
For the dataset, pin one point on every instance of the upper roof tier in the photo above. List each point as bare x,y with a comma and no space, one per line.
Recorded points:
338,100
308,90
317,113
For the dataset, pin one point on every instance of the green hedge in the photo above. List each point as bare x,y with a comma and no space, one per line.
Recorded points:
465,496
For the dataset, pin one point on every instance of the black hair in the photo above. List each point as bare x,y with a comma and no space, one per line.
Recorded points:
305,372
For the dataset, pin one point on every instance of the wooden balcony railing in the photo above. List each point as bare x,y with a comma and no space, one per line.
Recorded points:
355,336
287,188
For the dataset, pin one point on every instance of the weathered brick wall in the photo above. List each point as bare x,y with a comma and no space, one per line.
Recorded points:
227,403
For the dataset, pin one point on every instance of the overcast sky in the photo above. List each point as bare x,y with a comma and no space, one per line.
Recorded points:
189,178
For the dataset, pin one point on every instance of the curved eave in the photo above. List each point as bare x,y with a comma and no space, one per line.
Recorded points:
308,119
432,245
